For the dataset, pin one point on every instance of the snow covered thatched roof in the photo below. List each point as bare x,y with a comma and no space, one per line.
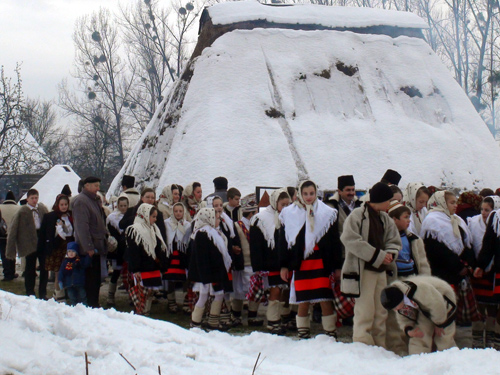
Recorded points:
266,103
51,184
304,14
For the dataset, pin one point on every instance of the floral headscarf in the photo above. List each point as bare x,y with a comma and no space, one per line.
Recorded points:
143,233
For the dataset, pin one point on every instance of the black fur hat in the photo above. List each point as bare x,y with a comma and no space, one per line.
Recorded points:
10,196
380,192
344,181
128,181
391,296
66,190
391,177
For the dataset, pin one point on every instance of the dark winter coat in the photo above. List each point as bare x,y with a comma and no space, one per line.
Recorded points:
444,263
72,271
140,261
206,264
129,217
89,223
122,244
468,212
219,193
238,260
48,238
330,249
22,233
490,249
262,256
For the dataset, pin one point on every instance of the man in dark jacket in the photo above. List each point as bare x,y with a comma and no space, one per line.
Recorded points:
90,234
220,185
22,238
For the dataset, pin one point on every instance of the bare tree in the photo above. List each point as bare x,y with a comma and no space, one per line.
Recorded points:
156,41
19,152
39,118
103,80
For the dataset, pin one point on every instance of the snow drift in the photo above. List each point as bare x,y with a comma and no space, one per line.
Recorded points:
276,99
41,337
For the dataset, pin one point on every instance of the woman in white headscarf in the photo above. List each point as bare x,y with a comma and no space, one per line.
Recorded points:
310,246
146,253
192,198
177,227
447,239
264,237
486,279
116,257
170,195
415,197
208,266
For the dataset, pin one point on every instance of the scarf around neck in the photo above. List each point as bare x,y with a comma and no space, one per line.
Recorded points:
176,230
477,227
496,215
444,227
113,219
205,222
143,233
228,224
268,219
317,218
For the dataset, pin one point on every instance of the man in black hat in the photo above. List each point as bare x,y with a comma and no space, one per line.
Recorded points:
372,243
128,183
425,309
220,185
8,209
391,177
344,200
89,225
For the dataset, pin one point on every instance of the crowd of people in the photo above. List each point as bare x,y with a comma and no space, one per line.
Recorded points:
402,267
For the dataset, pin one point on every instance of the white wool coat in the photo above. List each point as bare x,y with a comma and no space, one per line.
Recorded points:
358,250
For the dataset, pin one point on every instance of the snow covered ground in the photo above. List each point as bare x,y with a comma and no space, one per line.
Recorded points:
40,337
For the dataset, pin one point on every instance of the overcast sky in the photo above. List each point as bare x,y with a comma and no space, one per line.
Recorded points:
38,34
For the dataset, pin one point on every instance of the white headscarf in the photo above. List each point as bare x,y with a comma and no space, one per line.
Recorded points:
167,198
143,233
176,229
189,199
496,212
268,219
205,222
115,216
410,201
444,227
317,217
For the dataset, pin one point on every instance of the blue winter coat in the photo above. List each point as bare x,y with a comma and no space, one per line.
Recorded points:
72,271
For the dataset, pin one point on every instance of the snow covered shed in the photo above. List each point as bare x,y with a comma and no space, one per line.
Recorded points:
51,184
274,94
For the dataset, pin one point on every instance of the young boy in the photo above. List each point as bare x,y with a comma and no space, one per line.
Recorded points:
23,236
241,278
72,274
425,307
372,243
411,261
232,207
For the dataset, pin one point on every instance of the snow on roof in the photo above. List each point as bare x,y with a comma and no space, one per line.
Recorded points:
328,16
265,107
51,184
46,337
